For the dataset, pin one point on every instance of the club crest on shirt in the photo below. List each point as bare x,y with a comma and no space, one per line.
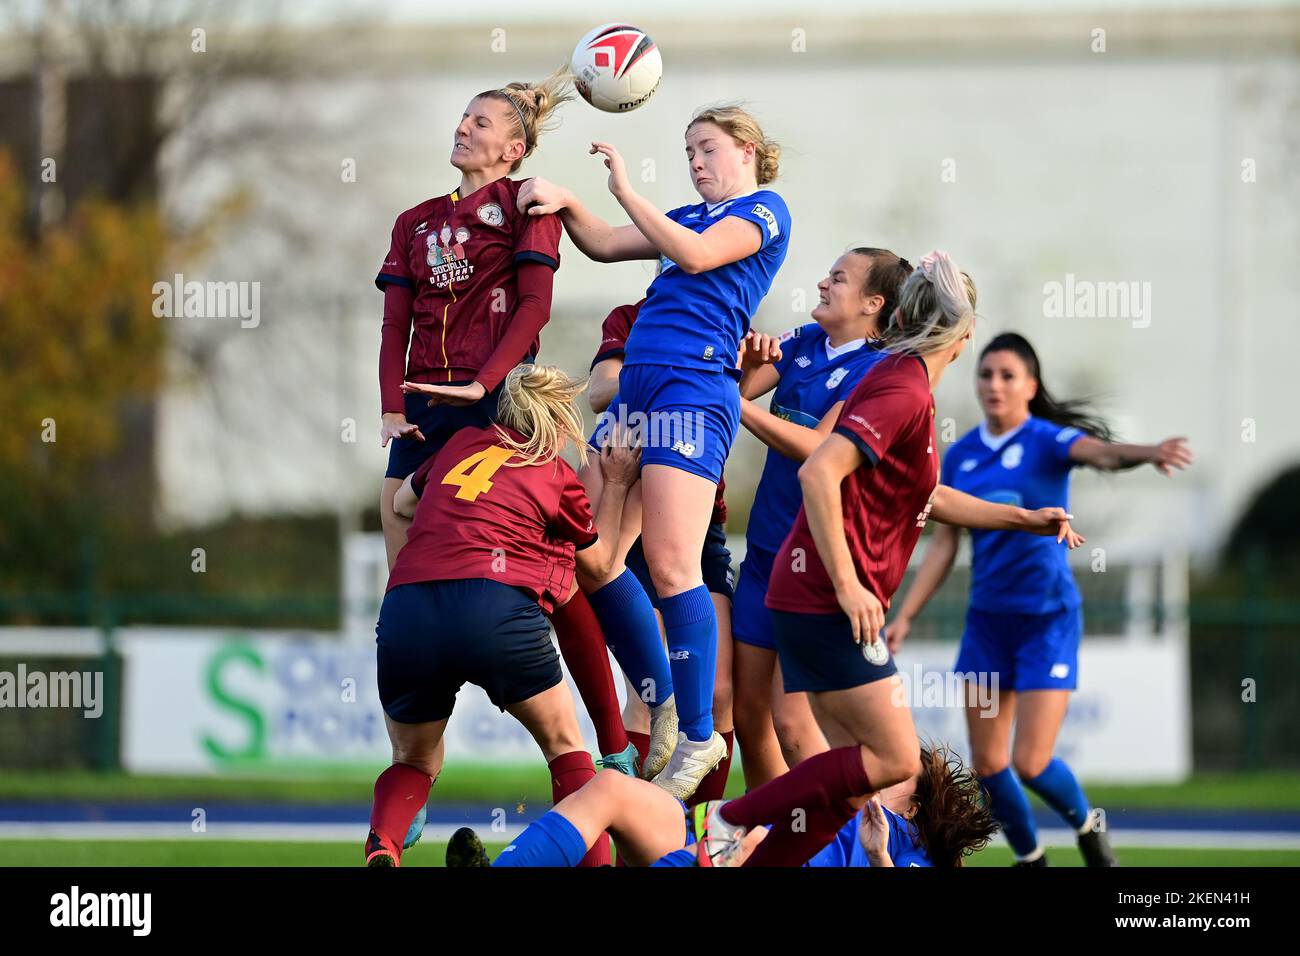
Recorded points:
837,376
877,653
1012,457
491,214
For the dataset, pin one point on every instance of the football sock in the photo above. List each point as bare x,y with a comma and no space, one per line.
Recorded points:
550,841
822,781
400,792
691,625
569,773
640,741
583,646
1060,790
1010,807
632,632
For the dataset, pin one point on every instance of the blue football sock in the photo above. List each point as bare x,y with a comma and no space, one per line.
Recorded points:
692,628
1010,807
551,841
1061,791
632,633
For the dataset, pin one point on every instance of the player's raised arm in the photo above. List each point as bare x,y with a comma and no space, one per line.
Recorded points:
595,238
1107,456
954,507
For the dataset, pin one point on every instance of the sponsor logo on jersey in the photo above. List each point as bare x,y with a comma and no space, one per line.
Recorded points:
445,254
837,376
1013,456
762,212
803,361
491,214
924,516
865,424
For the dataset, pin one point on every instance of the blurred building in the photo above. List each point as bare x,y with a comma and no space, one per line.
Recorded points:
1152,148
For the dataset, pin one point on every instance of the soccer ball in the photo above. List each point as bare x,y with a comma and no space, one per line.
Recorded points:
616,67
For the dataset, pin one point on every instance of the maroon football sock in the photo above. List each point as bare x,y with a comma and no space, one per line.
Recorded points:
796,841
583,645
400,792
569,773
641,742
714,785
820,782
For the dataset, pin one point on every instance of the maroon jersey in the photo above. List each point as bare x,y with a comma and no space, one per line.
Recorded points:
459,254
886,501
613,339
480,518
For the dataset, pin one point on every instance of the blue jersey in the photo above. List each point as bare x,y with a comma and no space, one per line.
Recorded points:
812,381
1012,571
697,321
846,849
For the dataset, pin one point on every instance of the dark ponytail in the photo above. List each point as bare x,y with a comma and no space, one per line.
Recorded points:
1077,414
885,277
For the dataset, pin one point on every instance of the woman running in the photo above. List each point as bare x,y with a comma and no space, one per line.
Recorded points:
935,818
1025,617
718,260
501,524
820,364
467,288
868,490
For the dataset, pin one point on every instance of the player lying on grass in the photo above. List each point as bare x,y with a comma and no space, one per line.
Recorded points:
502,525
936,818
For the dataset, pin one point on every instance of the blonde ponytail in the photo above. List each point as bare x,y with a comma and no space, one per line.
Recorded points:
534,104
936,308
537,401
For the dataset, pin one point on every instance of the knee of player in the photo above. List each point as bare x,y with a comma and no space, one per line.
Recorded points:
607,781
1030,764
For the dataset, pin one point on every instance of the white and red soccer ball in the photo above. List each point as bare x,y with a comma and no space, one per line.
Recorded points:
616,67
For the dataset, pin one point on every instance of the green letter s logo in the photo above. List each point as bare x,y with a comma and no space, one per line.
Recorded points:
256,724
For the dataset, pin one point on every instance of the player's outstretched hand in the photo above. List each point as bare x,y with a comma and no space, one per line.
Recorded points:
620,459
396,426
538,197
447,394
1170,454
1056,522
873,834
896,632
864,611
619,184
758,349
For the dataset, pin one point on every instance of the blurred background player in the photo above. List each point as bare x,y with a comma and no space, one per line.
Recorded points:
715,567
501,524
819,365
1025,616
718,259
868,490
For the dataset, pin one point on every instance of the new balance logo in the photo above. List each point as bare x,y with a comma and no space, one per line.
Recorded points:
684,448
679,655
